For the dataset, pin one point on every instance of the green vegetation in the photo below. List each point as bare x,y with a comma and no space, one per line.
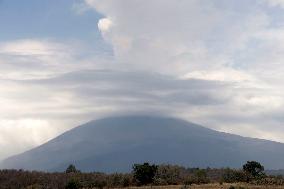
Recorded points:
142,174
236,187
254,170
232,176
71,169
73,184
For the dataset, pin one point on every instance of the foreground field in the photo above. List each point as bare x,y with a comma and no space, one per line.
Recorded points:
211,186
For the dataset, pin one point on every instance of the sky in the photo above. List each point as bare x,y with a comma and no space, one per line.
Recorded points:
218,63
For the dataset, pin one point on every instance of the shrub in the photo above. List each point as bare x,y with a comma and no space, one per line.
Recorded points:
201,177
236,187
34,186
231,176
168,175
189,181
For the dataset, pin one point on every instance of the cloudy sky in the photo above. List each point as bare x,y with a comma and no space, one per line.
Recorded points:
219,63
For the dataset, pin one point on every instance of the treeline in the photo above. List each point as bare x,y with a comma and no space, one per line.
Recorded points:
142,174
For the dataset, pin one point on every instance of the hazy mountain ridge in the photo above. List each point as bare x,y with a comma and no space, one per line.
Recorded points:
114,144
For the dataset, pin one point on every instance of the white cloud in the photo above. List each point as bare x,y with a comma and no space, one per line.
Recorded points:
29,113
29,58
178,37
29,47
104,24
276,3
43,58
25,133
226,41
226,74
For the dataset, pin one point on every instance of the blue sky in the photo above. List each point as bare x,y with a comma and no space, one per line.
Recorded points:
47,19
218,63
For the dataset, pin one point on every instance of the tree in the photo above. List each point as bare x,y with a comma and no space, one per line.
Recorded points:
254,169
144,173
73,184
71,169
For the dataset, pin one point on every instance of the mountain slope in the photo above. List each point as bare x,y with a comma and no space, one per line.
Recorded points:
114,144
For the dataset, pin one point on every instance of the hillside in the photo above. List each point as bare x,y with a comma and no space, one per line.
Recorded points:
114,144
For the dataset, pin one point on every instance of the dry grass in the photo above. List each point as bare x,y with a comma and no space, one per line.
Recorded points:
210,186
